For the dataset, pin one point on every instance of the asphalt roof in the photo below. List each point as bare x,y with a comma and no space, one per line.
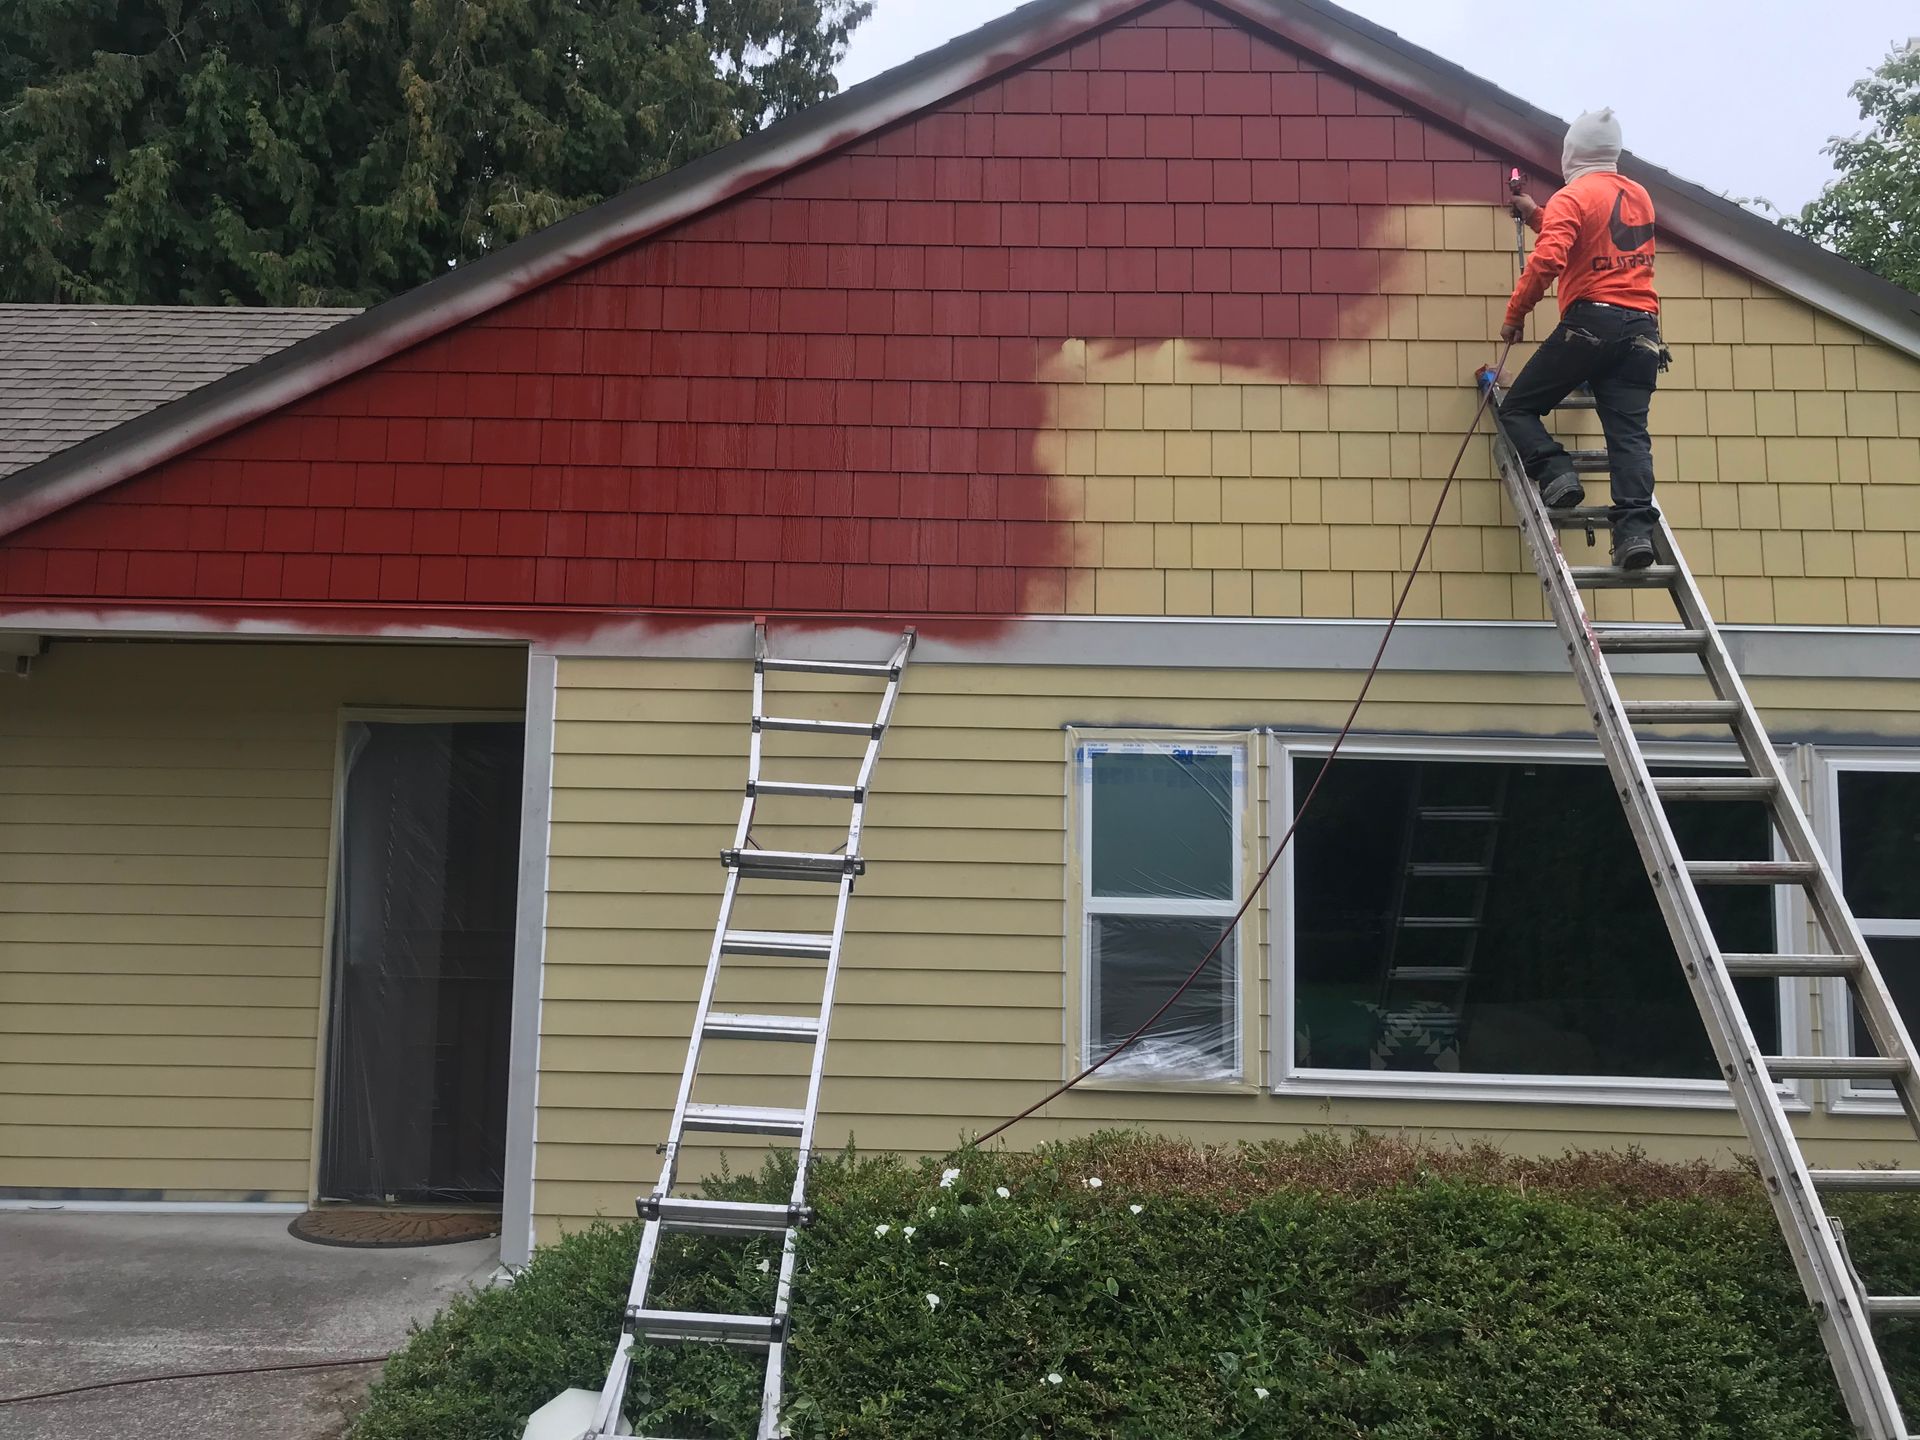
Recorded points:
68,372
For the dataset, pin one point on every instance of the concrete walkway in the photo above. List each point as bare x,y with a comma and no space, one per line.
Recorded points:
101,1297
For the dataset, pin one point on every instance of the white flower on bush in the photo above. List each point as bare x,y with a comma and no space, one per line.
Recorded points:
764,1266
880,1231
947,1177
1003,1192
1136,1209
1094,1182
1259,1392
907,1231
1053,1377
933,1301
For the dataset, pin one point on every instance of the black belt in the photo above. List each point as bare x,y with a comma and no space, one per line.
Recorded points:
1609,305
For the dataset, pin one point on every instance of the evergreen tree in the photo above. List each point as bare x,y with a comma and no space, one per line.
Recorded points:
330,152
1871,214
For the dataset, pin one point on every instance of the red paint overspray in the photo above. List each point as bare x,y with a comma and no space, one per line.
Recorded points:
825,397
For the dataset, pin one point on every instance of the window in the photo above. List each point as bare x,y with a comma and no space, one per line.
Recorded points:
1492,917
1878,808
1163,868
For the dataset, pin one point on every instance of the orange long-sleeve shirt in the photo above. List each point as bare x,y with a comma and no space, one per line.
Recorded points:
1596,235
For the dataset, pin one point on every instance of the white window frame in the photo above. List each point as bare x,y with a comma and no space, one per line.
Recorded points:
1082,745
1849,1097
1292,1079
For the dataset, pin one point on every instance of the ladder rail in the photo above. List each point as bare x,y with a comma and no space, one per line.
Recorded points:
1817,1254
816,1070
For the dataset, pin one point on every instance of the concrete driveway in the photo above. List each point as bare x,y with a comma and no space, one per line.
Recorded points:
85,1298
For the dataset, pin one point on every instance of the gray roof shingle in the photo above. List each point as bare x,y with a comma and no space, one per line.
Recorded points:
71,371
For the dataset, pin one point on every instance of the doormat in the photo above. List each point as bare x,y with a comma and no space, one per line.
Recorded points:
393,1229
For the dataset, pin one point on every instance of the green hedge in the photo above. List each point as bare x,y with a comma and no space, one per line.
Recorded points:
1368,1287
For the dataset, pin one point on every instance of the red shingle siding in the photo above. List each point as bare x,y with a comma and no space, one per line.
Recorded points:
822,396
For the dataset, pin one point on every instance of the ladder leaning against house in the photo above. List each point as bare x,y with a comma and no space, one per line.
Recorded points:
1841,1302
832,873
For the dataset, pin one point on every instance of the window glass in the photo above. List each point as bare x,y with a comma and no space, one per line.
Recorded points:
1137,962
1494,918
1899,962
1880,842
1163,879
1880,873
1162,824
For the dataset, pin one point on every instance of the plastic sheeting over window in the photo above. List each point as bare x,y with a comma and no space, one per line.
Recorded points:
1163,864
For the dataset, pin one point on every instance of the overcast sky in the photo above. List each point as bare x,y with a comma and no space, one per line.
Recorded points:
1737,95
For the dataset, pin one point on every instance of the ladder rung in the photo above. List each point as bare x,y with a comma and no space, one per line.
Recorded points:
791,864
1612,577
725,1025
864,728
1834,1067
786,944
1893,1304
721,1217
1439,922
1429,972
1680,712
806,788
1751,872
1447,870
745,1119
1663,640
1769,966
1588,462
753,1331
830,667
1579,401
1865,1179
1582,517
1713,787
1482,814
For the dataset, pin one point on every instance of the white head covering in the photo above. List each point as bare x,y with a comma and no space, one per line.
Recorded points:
1592,145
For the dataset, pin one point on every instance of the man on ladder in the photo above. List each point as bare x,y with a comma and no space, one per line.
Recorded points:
1596,236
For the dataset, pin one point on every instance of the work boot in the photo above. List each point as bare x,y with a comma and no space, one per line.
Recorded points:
1563,491
1632,552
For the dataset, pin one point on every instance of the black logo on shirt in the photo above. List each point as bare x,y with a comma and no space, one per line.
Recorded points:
1626,237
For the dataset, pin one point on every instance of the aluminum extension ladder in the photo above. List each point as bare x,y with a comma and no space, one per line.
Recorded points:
1840,1300
661,1210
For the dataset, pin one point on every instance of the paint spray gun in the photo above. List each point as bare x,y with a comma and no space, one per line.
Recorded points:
1514,181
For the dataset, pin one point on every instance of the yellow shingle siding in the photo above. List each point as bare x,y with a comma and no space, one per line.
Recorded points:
953,1007
1787,448
165,813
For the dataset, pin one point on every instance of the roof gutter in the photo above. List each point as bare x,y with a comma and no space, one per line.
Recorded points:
422,313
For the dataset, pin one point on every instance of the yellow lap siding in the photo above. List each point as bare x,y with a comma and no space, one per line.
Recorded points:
165,814
952,1010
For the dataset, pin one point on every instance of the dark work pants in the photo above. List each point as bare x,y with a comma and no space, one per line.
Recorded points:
1617,353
